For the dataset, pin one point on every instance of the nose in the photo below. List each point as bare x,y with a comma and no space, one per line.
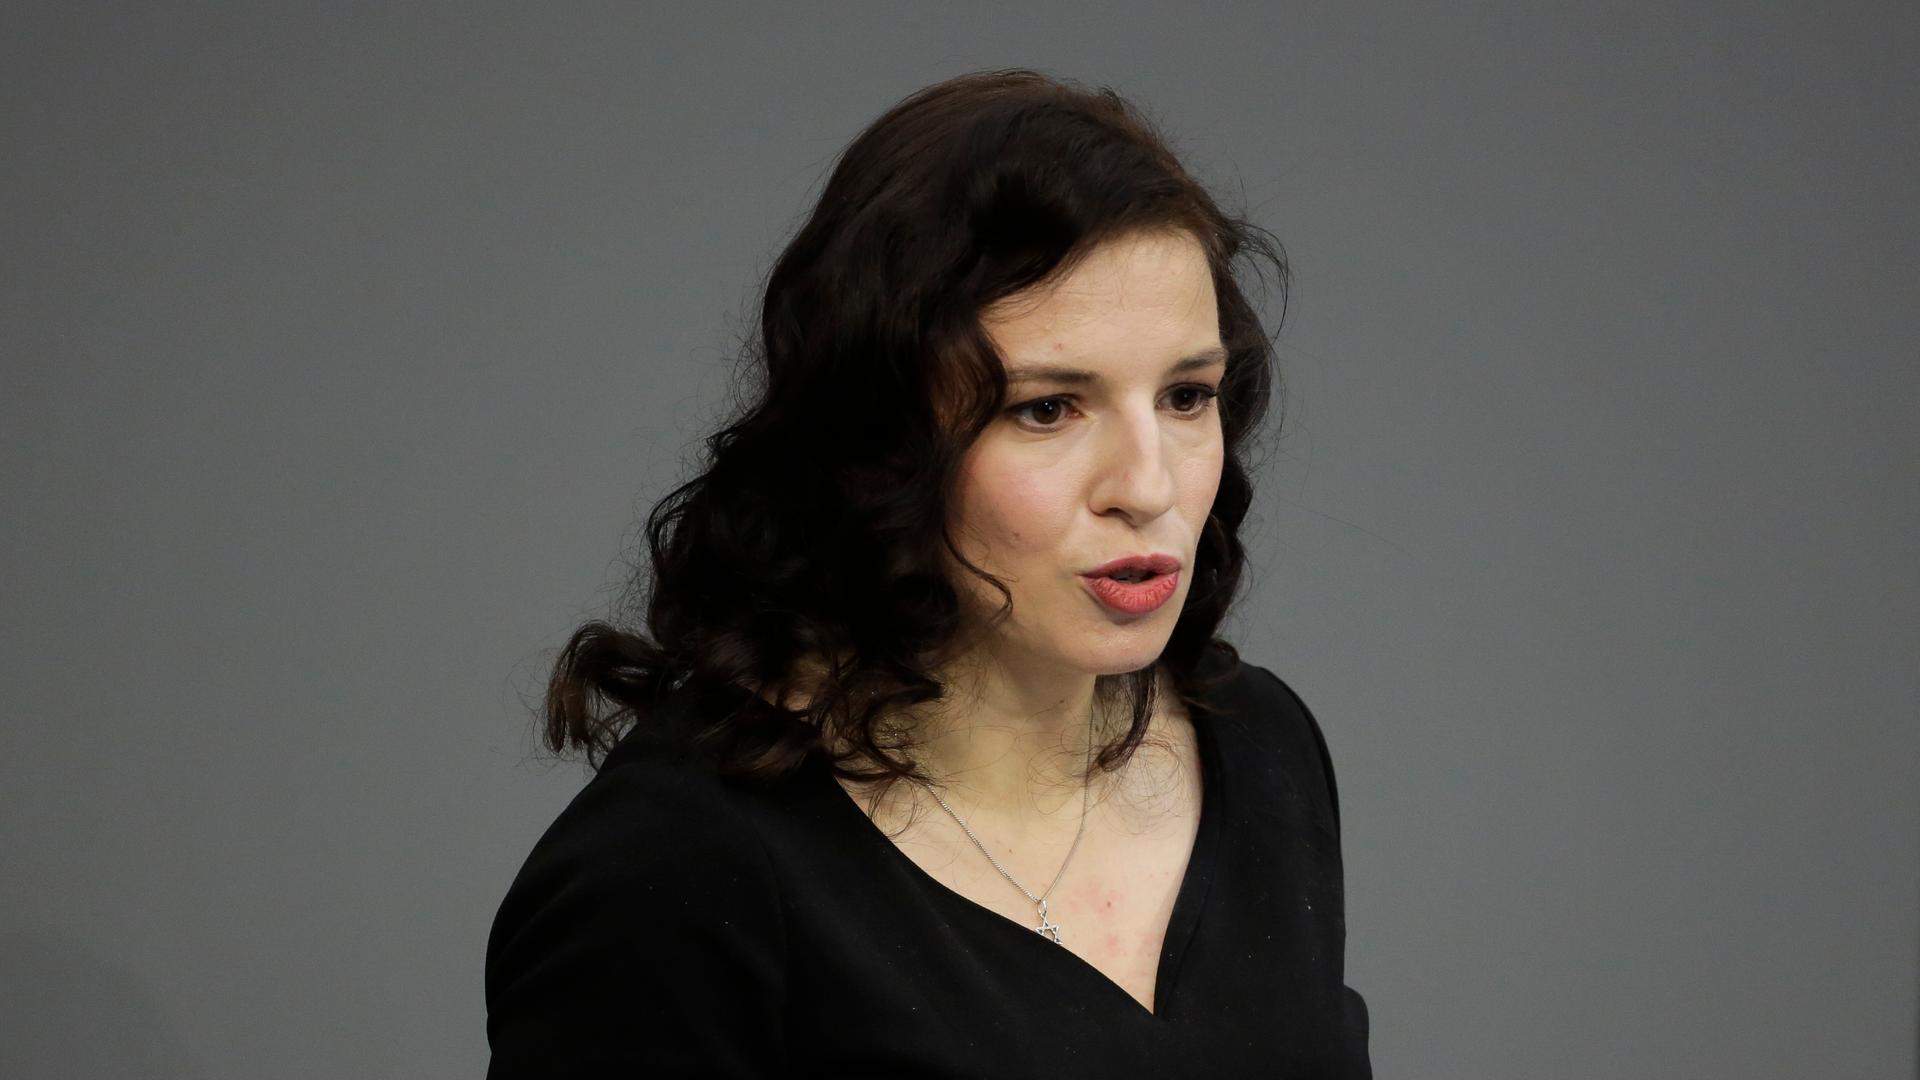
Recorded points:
1133,478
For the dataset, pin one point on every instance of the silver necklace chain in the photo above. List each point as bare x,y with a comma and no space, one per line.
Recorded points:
1047,928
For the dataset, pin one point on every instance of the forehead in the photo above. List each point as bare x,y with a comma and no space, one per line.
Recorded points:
1142,296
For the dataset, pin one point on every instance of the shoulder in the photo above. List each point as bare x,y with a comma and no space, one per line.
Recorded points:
650,895
1268,719
646,810
657,804
652,825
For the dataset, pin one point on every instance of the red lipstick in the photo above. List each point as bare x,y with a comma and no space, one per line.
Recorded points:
1142,584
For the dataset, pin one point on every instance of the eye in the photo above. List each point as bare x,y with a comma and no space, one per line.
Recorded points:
1205,401
1054,403
1197,406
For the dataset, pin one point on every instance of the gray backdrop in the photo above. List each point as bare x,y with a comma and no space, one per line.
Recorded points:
346,345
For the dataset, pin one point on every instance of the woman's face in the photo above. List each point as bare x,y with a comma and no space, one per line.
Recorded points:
1078,470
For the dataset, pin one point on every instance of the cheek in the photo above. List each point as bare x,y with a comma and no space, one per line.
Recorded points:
1025,514
1201,459
1197,484
1017,511
1200,481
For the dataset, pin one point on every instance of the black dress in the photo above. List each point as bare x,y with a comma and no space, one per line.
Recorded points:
674,923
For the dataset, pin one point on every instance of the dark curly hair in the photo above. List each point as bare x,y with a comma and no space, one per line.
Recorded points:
815,532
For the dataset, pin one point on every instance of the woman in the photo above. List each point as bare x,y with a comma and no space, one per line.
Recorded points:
929,762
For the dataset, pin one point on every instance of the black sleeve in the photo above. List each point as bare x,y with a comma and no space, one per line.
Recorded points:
643,937
1319,745
1354,1027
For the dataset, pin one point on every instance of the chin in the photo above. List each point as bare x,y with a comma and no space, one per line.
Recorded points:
1125,657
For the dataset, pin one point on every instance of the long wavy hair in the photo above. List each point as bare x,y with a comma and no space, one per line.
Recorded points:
815,533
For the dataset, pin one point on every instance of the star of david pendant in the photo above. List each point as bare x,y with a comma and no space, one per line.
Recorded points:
1047,929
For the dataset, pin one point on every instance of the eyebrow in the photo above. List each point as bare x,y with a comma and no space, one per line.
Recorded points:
1077,377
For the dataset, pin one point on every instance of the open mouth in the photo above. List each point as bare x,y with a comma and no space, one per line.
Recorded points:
1134,591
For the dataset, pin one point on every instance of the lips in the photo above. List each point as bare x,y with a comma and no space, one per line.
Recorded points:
1151,580
1148,564
1132,598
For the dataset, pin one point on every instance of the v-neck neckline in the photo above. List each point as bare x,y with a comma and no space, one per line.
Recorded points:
1191,897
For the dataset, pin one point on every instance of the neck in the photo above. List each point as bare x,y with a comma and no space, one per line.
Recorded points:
1015,744
1013,760
1010,743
